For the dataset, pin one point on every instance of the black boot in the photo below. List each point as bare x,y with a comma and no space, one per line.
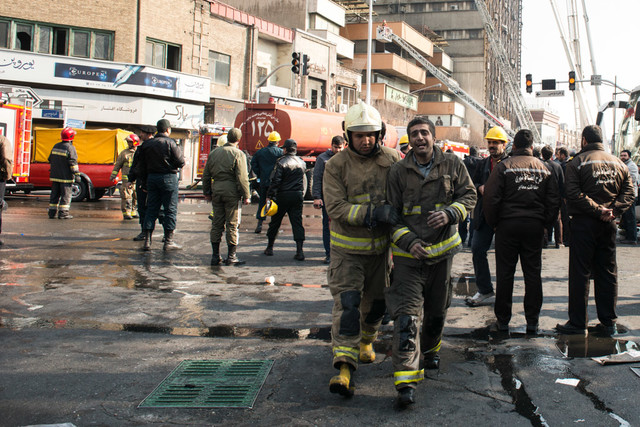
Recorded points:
405,397
269,250
299,254
259,227
147,240
215,256
52,213
139,237
64,215
232,258
169,243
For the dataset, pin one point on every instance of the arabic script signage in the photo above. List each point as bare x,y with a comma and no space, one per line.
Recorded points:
401,98
30,68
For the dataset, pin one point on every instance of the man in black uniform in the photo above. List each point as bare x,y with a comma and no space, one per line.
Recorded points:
146,133
160,161
557,174
598,189
521,198
287,187
64,171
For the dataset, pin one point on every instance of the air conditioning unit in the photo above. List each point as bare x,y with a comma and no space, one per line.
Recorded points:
342,108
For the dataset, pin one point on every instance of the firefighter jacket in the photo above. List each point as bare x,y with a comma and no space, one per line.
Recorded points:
64,162
595,179
288,175
352,186
227,167
447,187
160,155
6,159
263,162
479,178
124,162
521,186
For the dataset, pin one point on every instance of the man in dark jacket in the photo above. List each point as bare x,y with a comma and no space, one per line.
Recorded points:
262,165
287,188
483,235
471,162
146,133
337,144
599,189
160,161
557,174
64,171
520,199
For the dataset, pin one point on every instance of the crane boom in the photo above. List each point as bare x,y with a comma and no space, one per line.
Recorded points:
385,34
513,89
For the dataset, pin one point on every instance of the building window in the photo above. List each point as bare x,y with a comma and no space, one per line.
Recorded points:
4,34
219,67
42,38
346,95
163,55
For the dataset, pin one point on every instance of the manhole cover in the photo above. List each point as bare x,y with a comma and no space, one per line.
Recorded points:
210,384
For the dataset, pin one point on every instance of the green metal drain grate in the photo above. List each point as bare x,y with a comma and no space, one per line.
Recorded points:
210,384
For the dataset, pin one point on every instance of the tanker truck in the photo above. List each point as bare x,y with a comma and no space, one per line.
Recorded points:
312,129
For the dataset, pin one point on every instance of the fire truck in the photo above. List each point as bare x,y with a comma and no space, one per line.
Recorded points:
16,111
209,134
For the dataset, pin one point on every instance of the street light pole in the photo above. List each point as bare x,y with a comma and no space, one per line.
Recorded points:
369,29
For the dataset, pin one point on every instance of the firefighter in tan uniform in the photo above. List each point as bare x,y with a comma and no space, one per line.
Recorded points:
354,187
128,203
432,191
227,167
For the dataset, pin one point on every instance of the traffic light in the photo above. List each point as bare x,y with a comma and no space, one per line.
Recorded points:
305,64
572,80
529,83
295,62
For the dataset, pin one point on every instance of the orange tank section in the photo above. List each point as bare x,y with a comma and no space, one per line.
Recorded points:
312,129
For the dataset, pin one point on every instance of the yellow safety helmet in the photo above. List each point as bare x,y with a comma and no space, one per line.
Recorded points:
404,139
222,140
496,133
269,209
274,137
362,117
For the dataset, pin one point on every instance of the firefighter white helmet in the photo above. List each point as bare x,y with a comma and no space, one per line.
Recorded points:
362,117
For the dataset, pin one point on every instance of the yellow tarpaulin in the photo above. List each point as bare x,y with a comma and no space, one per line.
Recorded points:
93,146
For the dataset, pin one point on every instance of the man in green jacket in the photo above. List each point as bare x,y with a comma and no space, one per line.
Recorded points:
227,168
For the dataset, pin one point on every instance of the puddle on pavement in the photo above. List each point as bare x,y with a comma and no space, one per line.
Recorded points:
503,364
466,285
592,345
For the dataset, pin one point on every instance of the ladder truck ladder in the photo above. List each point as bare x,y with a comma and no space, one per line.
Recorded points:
517,100
24,150
385,34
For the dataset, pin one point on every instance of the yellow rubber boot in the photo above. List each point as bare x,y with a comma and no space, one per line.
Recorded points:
367,354
341,383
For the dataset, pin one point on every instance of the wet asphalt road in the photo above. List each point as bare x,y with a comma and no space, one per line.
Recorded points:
91,325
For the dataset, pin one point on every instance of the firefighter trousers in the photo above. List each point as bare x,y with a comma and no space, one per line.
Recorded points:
60,198
127,198
357,284
418,290
225,216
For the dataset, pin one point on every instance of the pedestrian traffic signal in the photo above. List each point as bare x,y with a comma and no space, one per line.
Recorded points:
305,64
529,83
572,80
295,62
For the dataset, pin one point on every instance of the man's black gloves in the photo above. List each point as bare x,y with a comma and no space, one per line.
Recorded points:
381,214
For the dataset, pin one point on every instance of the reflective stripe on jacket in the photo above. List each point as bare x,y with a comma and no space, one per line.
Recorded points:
448,187
124,161
64,162
352,185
